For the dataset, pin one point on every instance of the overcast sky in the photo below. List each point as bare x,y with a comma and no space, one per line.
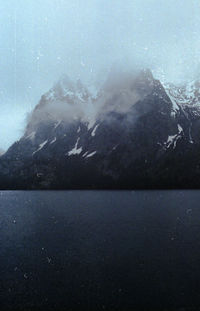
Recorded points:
42,39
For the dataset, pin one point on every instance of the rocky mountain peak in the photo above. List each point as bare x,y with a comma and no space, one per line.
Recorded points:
132,135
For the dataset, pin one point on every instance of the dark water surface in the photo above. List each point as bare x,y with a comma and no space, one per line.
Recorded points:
100,250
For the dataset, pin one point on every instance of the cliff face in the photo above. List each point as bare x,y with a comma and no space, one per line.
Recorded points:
135,133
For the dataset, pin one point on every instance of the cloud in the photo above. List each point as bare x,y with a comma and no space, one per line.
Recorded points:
68,101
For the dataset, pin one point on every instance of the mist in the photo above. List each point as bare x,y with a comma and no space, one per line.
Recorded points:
43,39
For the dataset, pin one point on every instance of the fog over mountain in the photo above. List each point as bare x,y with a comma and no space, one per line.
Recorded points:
44,39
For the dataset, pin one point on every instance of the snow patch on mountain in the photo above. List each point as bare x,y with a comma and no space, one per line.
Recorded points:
31,136
57,124
91,154
180,129
94,130
172,139
85,154
40,146
171,93
53,141
75,150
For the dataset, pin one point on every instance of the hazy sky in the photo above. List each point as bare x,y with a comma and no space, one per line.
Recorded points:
42,39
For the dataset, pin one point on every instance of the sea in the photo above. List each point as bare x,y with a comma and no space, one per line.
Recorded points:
99,250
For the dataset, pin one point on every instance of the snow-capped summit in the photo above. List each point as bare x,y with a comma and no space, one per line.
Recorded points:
185,97
185,94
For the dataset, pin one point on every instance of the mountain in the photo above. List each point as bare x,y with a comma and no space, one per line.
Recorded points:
134,133
1,151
